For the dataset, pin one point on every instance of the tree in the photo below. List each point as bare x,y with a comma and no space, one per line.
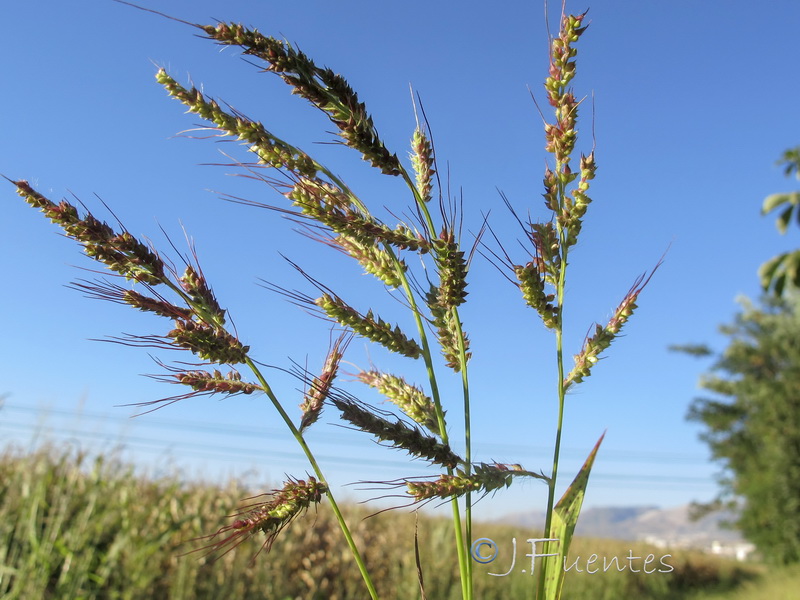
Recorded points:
783,268
753,424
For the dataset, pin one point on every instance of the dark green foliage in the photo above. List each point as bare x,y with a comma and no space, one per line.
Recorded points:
783,271
753,424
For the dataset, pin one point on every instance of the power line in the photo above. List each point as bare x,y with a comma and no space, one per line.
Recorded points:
260,433
247,454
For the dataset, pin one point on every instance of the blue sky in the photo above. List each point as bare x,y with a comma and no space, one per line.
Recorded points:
693,103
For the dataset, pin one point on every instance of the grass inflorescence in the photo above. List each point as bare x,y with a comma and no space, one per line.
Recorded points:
433,287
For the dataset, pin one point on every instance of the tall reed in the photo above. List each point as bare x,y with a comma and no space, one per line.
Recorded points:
433,287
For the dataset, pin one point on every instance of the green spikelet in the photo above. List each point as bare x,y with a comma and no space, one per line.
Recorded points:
422,161
369,326
408,398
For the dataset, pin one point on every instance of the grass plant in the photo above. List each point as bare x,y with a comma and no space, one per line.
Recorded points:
422,260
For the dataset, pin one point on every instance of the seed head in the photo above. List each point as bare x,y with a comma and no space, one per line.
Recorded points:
215,382
397,433
449,330
209,343
271,150
408,398
374,260
483,478
369,326
532,286
603,336
325,89
120,252
332,207
423,162
321,385
201,297
268,517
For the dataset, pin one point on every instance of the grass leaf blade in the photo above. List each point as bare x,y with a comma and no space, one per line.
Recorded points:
565,517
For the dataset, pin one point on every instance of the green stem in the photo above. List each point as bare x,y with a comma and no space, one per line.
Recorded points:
464,564
306,450
462,544
561,390
362,567
467,438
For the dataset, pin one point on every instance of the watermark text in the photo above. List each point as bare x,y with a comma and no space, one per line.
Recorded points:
486,551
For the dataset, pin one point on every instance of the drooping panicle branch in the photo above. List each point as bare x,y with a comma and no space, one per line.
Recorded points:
119,251
540,272
369,326
334,208
216,383
484,478
325,89
532,285
202,383
153,303
270,149
397,433
268,517
374,260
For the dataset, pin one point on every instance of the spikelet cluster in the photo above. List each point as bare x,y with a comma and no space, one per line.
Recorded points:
408,398
369,326
531,283
155,305
374,260
325,89
604,335
452,267
201,297
268,517
483,478
396,433
215,382
542,270
320,387
119,251
270,150
576,205
423,162
449,332
209,343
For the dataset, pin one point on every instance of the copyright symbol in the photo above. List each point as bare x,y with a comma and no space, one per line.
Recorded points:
483,550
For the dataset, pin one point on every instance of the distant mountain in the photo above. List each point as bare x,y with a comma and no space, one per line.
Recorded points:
670,526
